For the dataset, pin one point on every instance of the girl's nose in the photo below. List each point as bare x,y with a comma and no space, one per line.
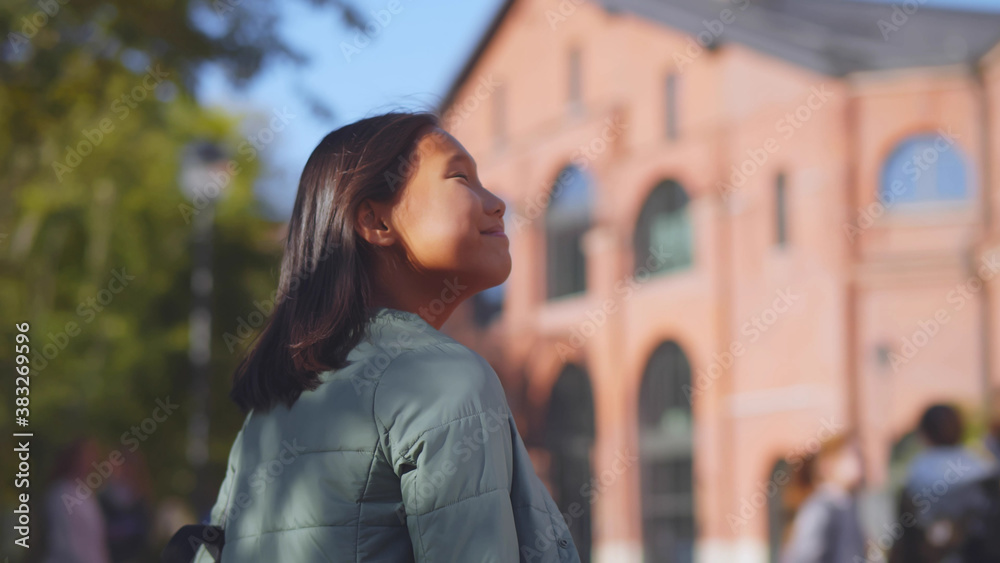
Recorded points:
494,205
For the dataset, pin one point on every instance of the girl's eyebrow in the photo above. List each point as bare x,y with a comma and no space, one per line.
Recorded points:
461,156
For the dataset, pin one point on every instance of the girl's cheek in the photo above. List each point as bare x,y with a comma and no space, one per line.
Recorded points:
444,235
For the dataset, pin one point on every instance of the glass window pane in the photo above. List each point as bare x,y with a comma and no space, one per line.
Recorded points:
925,168
664,232
568,218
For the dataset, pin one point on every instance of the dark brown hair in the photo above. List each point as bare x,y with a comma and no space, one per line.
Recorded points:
321,310
942,425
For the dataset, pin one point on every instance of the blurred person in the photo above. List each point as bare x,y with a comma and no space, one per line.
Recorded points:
125,501
944,457
370,434
826,528
75,528
949,505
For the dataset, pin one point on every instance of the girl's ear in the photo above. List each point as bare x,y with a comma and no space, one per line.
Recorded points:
373,223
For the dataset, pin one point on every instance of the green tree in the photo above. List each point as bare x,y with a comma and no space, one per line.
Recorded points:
96,101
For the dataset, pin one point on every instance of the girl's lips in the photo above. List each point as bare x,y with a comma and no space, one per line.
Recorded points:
496,234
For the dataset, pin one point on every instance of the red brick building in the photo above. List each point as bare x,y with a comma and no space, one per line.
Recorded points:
738,227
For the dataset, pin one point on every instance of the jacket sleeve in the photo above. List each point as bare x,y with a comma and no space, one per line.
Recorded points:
809,541
443,417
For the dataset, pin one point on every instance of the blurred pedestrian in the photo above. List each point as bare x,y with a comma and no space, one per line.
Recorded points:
947,508
826,528
126,503
944,459
75,526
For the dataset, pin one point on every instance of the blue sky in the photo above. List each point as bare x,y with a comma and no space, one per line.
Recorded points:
409,64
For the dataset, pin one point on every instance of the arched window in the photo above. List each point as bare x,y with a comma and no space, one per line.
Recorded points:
663,237
569,436
666,457
925,167
566,220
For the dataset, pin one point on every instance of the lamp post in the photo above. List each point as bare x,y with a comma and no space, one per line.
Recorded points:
202,178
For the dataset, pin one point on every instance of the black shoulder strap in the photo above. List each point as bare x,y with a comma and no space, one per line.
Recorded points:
185,543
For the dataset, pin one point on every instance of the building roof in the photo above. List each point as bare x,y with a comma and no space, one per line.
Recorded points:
833,37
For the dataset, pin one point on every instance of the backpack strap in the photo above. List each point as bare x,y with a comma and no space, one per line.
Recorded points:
183,545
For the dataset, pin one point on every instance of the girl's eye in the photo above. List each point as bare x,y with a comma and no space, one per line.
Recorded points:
460,176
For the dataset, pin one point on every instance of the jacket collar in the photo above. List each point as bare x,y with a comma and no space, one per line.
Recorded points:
392,330
387,315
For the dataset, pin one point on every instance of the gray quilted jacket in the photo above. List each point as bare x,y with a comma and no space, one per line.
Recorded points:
408,454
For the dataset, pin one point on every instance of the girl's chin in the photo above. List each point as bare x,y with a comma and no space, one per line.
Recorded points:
495,277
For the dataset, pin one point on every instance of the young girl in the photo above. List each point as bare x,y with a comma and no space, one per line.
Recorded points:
370,435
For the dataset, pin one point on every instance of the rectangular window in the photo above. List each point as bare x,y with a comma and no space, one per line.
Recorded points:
670,105
575,87
499,116
780,211
672,231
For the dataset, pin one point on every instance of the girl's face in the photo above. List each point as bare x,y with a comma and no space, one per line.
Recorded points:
448,227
